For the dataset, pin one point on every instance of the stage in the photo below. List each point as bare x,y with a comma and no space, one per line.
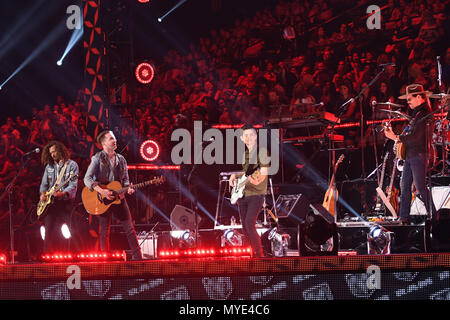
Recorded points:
396,277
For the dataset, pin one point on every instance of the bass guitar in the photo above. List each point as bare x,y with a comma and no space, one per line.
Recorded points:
238,189
331,195
96,204
42,206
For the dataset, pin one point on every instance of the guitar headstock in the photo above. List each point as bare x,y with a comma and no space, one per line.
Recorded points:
158,180
340,159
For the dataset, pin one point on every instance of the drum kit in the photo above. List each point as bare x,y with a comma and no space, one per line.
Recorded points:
440,145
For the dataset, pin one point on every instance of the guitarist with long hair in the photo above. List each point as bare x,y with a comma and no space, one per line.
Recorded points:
413,147
58,168
107,166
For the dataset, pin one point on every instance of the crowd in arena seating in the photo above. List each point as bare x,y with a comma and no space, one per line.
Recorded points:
298,52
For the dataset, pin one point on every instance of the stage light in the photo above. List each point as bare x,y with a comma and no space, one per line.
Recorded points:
42,230
65,231
149,150
86,257
231,237
186,237
144,73
2,259
143,1
160,19
205,252
279,242
378,240
75,37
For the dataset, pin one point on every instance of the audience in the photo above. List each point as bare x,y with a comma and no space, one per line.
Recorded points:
294,54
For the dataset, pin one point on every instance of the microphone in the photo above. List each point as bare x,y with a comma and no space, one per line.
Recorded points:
320,104
387,64
31,152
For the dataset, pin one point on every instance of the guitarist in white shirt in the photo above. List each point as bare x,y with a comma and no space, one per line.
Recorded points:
255,166
107,166
54,156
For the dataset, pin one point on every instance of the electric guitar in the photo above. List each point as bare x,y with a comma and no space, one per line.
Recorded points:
331,195
42,206
383,170
96,204
238,189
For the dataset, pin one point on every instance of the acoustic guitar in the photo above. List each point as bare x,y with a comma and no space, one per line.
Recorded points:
331,195
96,204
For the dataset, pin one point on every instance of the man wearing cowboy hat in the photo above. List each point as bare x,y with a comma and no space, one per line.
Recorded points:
414,139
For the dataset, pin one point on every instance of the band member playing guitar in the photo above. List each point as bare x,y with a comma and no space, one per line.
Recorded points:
255,168
415,147
57,204
107,166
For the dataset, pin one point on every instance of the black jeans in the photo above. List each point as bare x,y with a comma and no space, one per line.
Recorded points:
122,212
57,214
249,208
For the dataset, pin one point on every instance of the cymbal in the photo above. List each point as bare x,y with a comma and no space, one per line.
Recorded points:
439,95
391,104
398,113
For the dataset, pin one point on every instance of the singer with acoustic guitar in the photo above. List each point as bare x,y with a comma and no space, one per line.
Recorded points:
412,147
107,166
57,190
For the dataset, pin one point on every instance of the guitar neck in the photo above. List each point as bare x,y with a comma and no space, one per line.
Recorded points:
136,186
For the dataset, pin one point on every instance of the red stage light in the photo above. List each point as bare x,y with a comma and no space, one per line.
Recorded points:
149,150
91,257
144,73
204,252
2,259
152,167
144,1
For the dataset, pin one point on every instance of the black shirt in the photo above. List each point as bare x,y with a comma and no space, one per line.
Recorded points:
414,136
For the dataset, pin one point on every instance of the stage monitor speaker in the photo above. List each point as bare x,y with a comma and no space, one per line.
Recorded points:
294,208
182,218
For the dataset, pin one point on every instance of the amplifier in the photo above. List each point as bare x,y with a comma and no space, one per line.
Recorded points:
148,243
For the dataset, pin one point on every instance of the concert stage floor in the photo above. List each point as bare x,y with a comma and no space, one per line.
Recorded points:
400,277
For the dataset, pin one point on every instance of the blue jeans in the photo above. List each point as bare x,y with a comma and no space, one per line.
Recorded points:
414,170
249,208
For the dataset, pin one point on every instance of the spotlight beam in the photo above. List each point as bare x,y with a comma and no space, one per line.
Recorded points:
160,19
75,37
42,46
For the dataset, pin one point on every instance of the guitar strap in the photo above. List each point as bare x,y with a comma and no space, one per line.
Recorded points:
61,173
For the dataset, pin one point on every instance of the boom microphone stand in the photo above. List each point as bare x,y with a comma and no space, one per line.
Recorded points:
8,191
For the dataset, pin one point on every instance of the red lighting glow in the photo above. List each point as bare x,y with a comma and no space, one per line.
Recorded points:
2,259
91,256
205,252
149,150
144,73
152,167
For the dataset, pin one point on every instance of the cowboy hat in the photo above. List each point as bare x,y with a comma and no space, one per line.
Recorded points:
414,89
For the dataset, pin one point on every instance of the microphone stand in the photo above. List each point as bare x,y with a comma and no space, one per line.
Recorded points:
8,191
358,97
